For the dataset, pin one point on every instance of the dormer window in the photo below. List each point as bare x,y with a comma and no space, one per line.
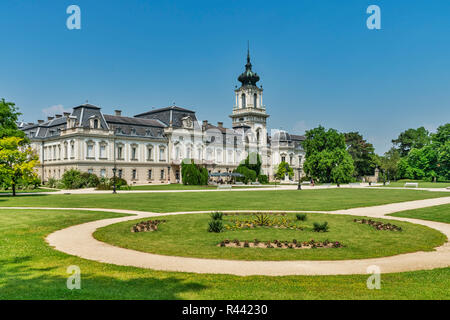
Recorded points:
95,123
133,131
118,130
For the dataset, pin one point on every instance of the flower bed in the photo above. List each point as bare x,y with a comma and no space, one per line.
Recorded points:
294,244
378,225
262,220
146,226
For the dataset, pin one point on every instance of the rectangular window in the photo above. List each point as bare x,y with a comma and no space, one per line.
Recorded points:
150,154
119,153
90,171
120,173
162,174
90,151
134,174
149,174
103,173
103,151
161,154
133,153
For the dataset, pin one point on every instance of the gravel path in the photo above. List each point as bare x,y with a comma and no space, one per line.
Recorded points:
78,240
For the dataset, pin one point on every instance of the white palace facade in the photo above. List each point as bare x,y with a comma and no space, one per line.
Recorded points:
149,147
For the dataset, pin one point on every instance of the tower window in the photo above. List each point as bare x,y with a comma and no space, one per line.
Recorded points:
243,100
255,100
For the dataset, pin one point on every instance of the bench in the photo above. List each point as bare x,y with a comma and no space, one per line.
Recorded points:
326,185
224,186
411,184
354,184
239,183
256,183
306,183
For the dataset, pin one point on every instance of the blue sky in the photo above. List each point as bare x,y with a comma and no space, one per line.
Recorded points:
318,62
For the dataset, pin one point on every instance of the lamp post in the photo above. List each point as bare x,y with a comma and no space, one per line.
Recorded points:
299,186
114,168
168,174
384,178
114,179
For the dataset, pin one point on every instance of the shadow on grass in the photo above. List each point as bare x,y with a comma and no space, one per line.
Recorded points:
19,280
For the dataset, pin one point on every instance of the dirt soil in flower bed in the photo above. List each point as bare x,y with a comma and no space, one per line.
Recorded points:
280,244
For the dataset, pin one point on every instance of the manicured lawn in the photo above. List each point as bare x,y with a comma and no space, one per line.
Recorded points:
184,187
422,184
186,235
437,213
30,269
324,199
28,190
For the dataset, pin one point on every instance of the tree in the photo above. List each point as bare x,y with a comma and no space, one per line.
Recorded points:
283,169
9,116
389,163
253,162
248,174
192,174
411,138
363,154
327,158
17,162
431,161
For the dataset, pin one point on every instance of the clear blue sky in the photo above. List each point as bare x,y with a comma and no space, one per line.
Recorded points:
318,62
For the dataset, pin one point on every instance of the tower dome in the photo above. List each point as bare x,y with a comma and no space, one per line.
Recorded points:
248,77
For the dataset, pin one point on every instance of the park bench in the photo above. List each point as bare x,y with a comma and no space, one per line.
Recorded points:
224,186
411,184
326,185
256,183
306,183
239,183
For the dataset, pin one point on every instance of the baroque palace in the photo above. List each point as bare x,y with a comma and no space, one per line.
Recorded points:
149,147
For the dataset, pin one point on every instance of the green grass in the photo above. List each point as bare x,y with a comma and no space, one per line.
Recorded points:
175,186
187,235
324,199
28,190
30,269
422,184
438,213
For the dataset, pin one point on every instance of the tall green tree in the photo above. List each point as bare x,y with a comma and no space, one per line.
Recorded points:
327,158
253,162
389,163
363,154
17,162
411,138
283,169
9,115
429,162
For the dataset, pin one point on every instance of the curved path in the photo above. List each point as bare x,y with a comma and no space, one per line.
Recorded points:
78,240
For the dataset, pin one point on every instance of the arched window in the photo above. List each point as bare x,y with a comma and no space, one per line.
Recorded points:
255,100
243,100
258,135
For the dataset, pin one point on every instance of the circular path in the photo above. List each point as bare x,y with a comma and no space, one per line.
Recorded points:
78,241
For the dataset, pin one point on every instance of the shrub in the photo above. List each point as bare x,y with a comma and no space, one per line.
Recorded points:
215,226
71,179
301,216
193,174
216,215
89,180
264,179
248,174
262,220
320,227
51,183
